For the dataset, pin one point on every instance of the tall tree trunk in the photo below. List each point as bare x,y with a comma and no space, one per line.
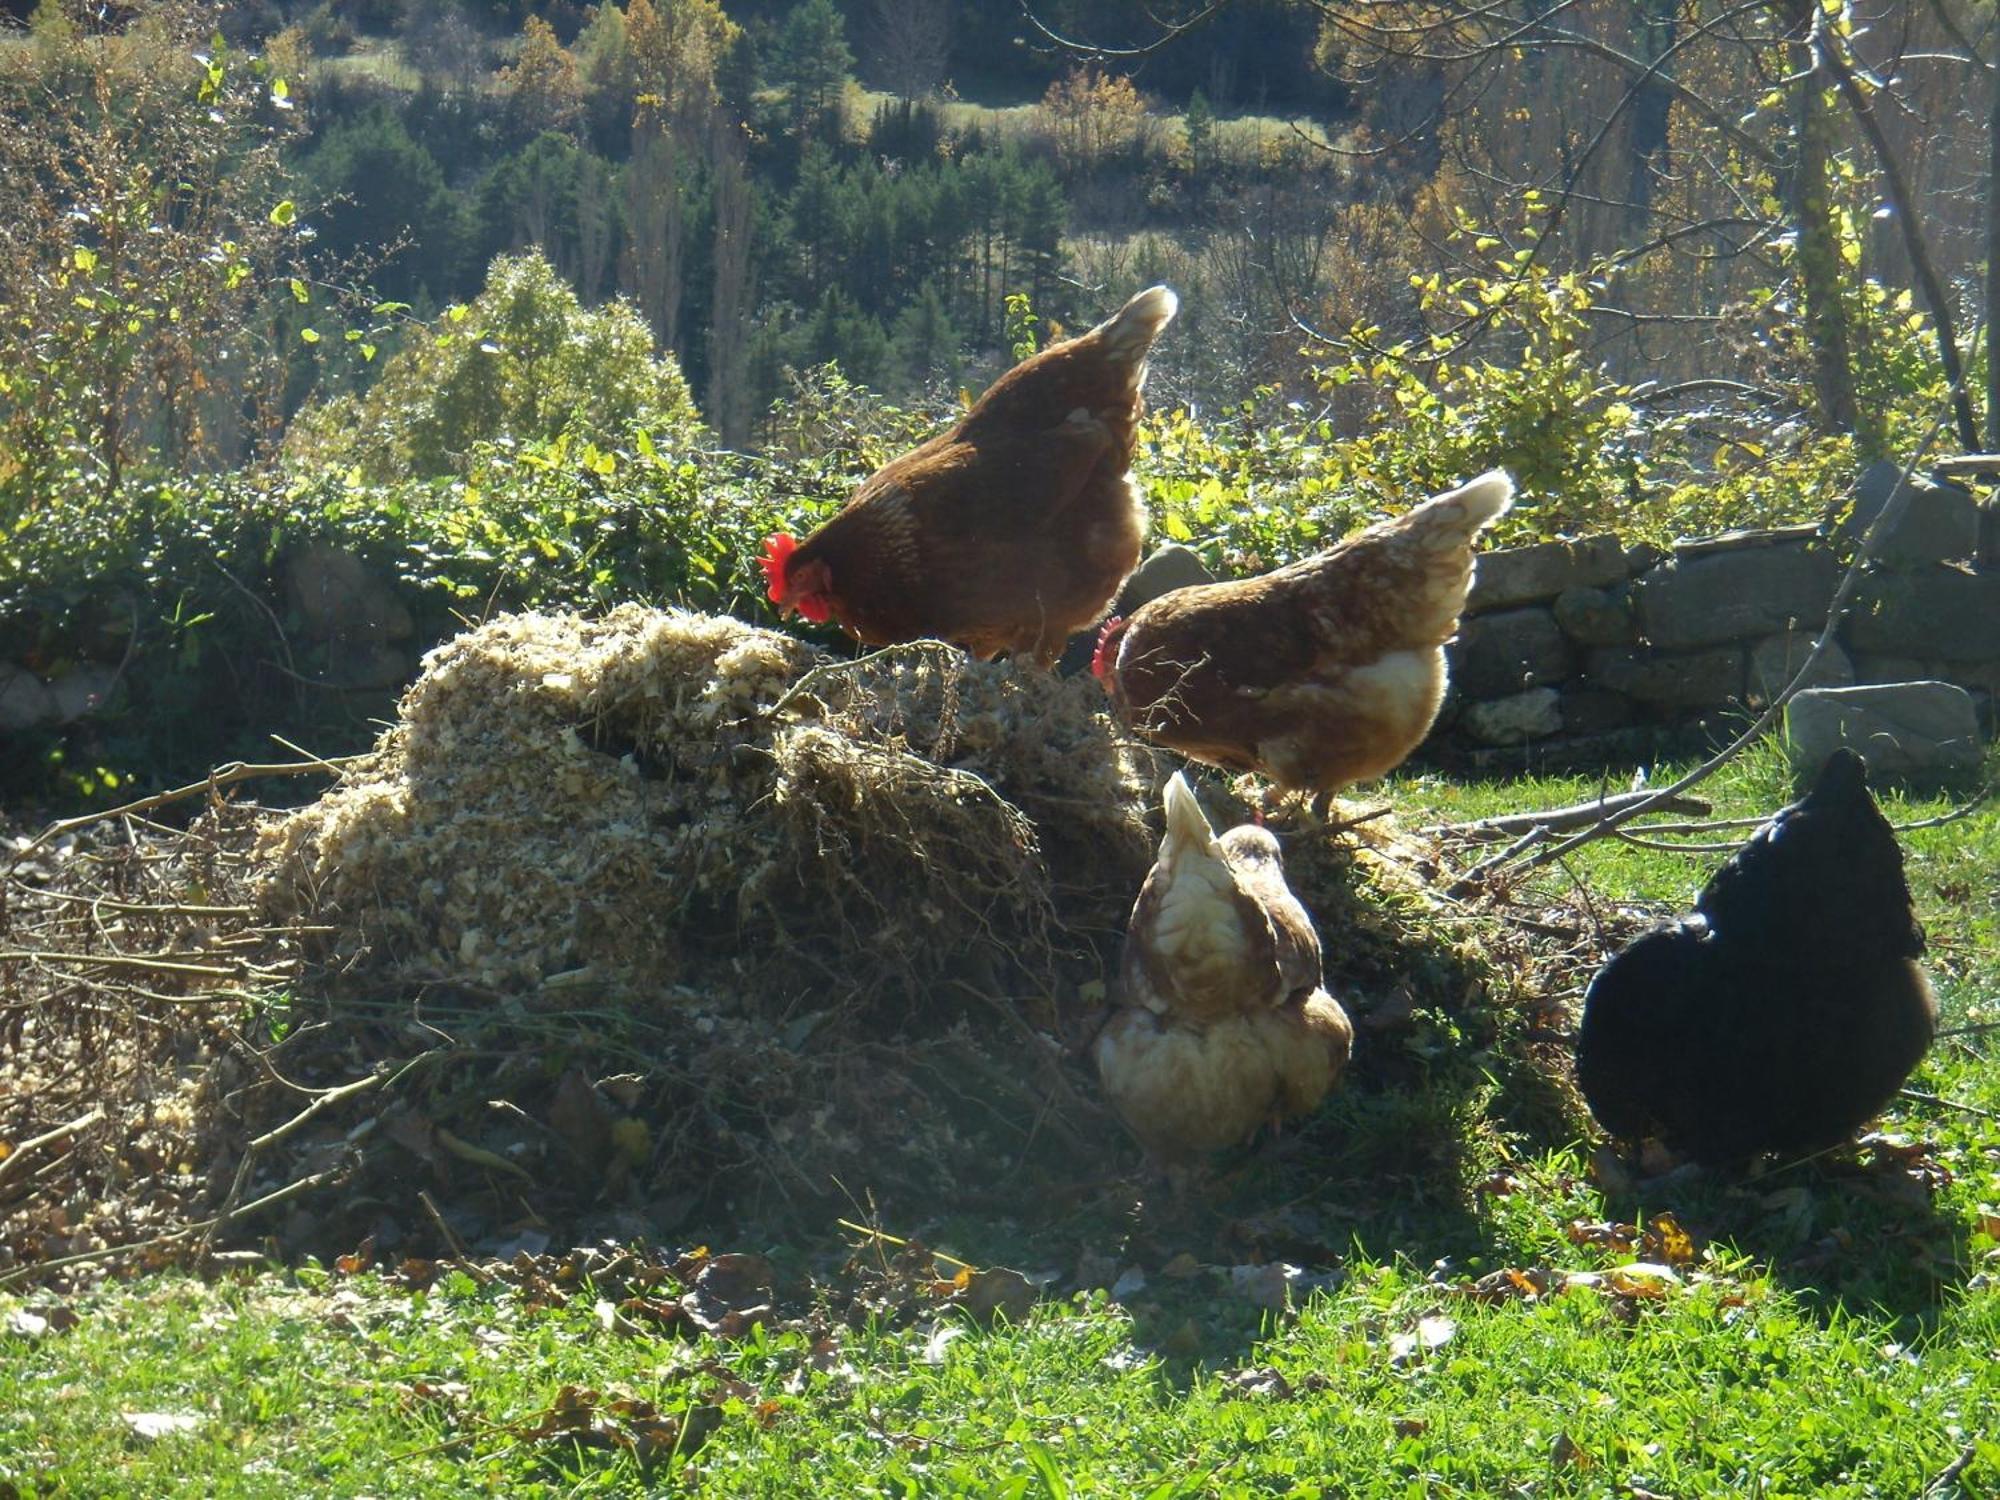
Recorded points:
1827,332
1993,266
658,224
1930,285
729,333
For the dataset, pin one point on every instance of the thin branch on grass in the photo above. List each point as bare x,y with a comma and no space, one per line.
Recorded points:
1952,1472
172,1237
1938,1101
1559,819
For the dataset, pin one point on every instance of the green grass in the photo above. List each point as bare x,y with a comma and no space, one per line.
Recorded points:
1830,1328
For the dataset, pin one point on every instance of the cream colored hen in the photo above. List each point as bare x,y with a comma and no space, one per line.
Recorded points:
1223,1026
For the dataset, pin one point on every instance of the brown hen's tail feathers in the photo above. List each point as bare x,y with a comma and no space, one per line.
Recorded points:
1457,516
1129,333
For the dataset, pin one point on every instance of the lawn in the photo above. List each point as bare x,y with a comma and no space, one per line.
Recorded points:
1434,1289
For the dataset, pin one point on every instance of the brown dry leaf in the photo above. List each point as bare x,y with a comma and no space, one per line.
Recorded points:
1566,1453
357,1260
1642,1280
996,1290
1667,1241
1619,1238
1409,1427
731,1294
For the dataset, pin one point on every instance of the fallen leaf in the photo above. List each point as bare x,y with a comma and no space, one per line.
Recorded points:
154,1425
1264,1383
1565,1453
1436,1331
996,1290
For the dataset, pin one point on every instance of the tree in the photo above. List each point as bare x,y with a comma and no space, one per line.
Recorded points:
153,280
1090,116
442,41
1198,125
911,45
729,402
384,192
676,47
523,360
543,89
814,63
925,346
1765,158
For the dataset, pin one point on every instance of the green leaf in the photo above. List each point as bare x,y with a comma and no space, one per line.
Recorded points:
285,213
86,260
1044,1464
310,335
300,292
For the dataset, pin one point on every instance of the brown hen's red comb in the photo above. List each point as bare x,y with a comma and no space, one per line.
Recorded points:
1107,633
778,549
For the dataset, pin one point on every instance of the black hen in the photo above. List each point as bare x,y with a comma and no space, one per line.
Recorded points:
1787,1010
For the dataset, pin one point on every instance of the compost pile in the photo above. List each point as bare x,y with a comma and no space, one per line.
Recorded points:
821,918
628,925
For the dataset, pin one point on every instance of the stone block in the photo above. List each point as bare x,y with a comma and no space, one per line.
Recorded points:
1876,666
1899,727
1503,653
1515,719
1670,679
82,690
25,700
1533,575
1776,659
340,598
1596,617
1940,523
1595,710
1724,596
1944,612
1747,539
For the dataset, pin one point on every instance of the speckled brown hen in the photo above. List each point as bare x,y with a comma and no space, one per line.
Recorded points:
1320,674
1011,531
1223,1026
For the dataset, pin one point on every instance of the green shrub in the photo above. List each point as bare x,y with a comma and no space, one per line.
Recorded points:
524,361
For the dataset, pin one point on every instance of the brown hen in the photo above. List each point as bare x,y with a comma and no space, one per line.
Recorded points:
1320,674
1224,1026
1007,533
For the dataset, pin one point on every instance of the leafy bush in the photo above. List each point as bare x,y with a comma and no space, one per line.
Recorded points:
523,361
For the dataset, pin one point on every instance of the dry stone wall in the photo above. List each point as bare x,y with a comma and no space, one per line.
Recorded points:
1574,652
